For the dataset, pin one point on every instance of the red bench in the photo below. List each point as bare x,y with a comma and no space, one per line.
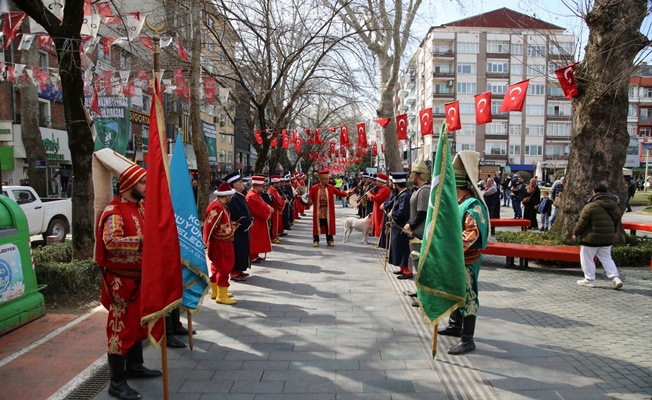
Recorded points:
532,251
523,223
634,226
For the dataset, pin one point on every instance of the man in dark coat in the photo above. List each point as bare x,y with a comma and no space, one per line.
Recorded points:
240,214
597,229
399,252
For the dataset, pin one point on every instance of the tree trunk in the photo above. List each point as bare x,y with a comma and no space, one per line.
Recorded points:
29,123
600,137
386,109
81,145
198,142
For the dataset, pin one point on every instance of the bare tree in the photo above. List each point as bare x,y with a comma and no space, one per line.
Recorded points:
384,27
600,138
283,46
67,40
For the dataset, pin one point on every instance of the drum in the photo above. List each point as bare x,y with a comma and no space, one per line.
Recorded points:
304,198
353,200
301,190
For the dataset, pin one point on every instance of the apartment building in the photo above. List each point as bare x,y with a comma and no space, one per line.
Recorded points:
639,119
488,52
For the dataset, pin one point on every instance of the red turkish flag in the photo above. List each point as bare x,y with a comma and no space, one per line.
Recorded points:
453,116
286,141
10,26
332,128
344,134
358,152
259,136
103,9
274,141
383,121
366,151
362,134
382,148
515,97
566,78
210,88
181,51
95,105
374,149
483,108
332,147
317,138
162,287
425,119
401,126
342,150
147,41
106,44
297,144
294,135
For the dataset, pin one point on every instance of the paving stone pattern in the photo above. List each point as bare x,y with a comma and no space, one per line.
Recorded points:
329,323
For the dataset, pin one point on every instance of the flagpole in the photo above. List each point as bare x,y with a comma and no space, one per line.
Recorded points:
156,39
190,341
434,341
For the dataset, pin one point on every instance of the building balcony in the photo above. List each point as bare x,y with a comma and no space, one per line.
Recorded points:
497,75
553,117
492,136
560,97
500,116
644,120
443,54
499,55
443,74
443,95
495,157
557,139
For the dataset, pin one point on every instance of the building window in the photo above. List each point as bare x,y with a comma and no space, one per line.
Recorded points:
536,69
559,129
555,91
517,49
464,87
222,137
536,50
516,68
631,130
514,149
443,69
534,109
645,131
496,87
536,90
438,109
442,48
497,128
497,67
533,150
230,156
466,68
464,146
648,93
44,117
632,111
557,150
495,108
495,148
497,46
468,48
43,61
558,109
515,130
441,88
534,130
222,153
230,139
467,108
562,48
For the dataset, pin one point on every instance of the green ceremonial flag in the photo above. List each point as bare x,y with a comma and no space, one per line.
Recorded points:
441,277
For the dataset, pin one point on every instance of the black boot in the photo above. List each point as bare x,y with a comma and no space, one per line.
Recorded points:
177,327
135,368
466,344
118,386
170,341
454,327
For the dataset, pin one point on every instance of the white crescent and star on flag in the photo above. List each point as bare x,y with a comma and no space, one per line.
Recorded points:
482,103
516,89
453,114
566,72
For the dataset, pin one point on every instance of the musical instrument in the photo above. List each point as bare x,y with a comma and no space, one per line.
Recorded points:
304,198
301,190
353,200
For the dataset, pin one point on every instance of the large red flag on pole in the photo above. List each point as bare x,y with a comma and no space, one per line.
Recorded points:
515,97
483,108
401,126
453,116
566,78
425,119
161,282
362,134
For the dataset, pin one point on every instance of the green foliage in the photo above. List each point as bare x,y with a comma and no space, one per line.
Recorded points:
635,252
649,200
68,282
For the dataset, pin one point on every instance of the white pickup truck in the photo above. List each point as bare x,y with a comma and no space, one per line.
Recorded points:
47,217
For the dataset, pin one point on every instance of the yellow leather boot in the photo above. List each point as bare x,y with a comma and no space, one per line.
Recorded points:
214,292
223,297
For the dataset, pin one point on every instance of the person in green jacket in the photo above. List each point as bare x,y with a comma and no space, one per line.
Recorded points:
596,229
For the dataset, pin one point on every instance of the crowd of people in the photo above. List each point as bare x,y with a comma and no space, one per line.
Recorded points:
242,226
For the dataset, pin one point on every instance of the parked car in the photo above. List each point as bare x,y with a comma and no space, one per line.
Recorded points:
44,216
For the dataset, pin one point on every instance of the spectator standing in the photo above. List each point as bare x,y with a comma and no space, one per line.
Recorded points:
555,192
518,194
492,199
596,229
530,203
631,191
505,185
545,208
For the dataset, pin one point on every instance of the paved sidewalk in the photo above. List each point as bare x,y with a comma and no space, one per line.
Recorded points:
330,323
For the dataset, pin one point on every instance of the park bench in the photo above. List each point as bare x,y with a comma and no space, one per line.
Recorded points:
532,251
634,226
523,223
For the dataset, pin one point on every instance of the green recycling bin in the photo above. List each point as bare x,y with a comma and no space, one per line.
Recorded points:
20,297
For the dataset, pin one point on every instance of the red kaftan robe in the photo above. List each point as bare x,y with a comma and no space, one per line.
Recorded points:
118,252
378,199
298,205
277,218
259,240
327,209
218,236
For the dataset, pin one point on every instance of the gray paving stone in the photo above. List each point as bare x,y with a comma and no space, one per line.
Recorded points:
389,385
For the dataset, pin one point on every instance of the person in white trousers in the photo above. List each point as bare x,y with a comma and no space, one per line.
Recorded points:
596,229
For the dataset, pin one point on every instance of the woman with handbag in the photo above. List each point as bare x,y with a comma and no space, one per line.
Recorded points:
530,202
